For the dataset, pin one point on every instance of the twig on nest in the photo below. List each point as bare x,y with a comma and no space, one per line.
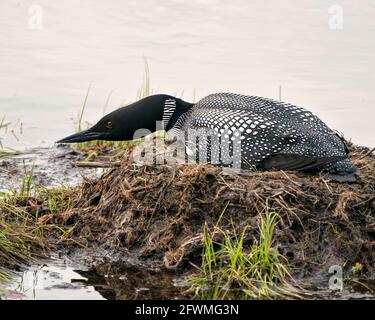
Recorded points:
367,154
90,164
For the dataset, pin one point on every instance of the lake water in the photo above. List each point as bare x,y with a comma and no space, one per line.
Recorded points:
51,50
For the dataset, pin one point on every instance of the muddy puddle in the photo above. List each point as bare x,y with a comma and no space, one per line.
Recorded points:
61,277
47,280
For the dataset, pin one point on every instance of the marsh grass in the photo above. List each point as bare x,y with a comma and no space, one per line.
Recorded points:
8,153
233,269
6,128
27,182
5,152
3,124
251,167
80,116
3,130
145,88
24,225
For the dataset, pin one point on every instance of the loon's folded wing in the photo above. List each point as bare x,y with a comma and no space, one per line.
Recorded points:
296,162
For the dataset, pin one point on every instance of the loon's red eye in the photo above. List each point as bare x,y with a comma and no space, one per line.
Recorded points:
109,125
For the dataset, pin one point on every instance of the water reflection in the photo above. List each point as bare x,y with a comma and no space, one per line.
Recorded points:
55,281
58,280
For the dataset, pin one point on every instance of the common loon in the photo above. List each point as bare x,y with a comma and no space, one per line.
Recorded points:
271,134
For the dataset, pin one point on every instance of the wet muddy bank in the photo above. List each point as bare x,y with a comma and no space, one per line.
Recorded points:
51,167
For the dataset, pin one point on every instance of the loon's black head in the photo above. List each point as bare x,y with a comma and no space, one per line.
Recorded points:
121,124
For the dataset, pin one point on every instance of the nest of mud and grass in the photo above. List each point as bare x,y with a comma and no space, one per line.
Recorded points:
158,216
157,213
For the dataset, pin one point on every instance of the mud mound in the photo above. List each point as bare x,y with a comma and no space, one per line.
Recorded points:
157,213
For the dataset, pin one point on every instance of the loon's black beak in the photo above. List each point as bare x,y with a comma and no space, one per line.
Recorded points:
83,136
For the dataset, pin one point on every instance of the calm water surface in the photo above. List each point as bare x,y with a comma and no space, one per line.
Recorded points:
194,48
